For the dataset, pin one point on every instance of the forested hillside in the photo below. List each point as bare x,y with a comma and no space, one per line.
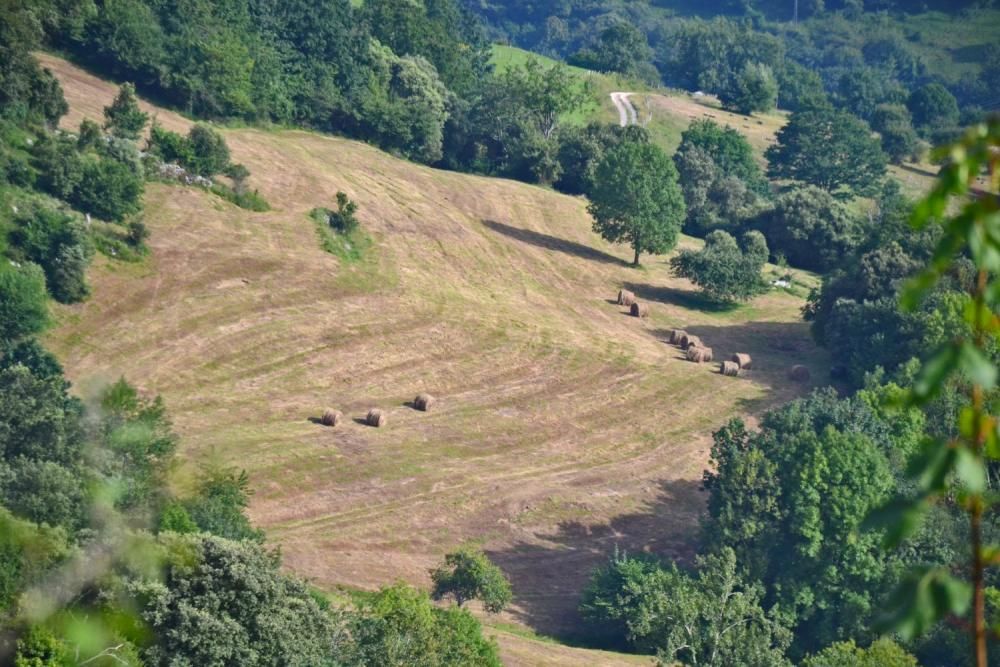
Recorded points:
294,371
858,55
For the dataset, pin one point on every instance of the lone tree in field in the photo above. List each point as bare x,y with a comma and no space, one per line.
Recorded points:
831,149
468,574
636,199
124,118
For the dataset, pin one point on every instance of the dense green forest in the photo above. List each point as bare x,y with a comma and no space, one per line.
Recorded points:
857,54
849,527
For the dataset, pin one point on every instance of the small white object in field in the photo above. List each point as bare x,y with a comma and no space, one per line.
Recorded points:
781,283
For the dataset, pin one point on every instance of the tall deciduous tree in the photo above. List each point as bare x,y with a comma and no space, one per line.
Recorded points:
729,150
223,602
789,500
933,107
810,228
830,149
620,48
752,88
709,617
636,199
893,123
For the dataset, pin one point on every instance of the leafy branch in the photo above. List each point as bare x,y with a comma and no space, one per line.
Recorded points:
955,468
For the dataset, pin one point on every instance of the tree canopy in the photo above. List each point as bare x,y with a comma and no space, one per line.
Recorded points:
810,228
23,307
830,149
706,617
468,574
725,270
636,199
789,500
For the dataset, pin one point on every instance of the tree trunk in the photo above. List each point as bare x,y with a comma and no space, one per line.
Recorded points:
635,261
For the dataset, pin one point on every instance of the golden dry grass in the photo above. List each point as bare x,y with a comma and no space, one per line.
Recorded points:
517,650
562,426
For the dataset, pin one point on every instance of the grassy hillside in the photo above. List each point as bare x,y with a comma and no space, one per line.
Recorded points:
600,108
564,426
952,45
666,114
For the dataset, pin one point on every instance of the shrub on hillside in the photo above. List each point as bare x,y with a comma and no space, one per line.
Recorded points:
123,117
23,302
724,270
753,88
109,189
219,507
399,625
467,574
209,152
60,166
59,244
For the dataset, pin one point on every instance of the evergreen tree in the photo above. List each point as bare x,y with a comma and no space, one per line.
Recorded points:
123,117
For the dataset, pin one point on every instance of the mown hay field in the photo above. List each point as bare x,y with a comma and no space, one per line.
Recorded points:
562,427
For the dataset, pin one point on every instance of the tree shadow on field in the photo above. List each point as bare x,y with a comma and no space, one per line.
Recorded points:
550,572
548,242
690,299
774,347
920,171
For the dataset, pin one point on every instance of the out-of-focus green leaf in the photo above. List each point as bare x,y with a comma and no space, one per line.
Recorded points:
969,470
931,465
977,366
899,518
933,374
924,598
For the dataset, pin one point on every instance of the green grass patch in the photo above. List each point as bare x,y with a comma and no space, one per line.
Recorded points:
350,247
112,241
599,108
952,44
252,201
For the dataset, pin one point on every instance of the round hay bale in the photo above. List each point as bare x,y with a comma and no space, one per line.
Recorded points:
690,341
676,335
729,368
625,298
742,360
799,373
639,310
423,402
376,418
331,417
699,355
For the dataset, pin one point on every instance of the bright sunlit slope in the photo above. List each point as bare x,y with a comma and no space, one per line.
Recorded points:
563,427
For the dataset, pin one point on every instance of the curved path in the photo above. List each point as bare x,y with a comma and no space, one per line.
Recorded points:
626,112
